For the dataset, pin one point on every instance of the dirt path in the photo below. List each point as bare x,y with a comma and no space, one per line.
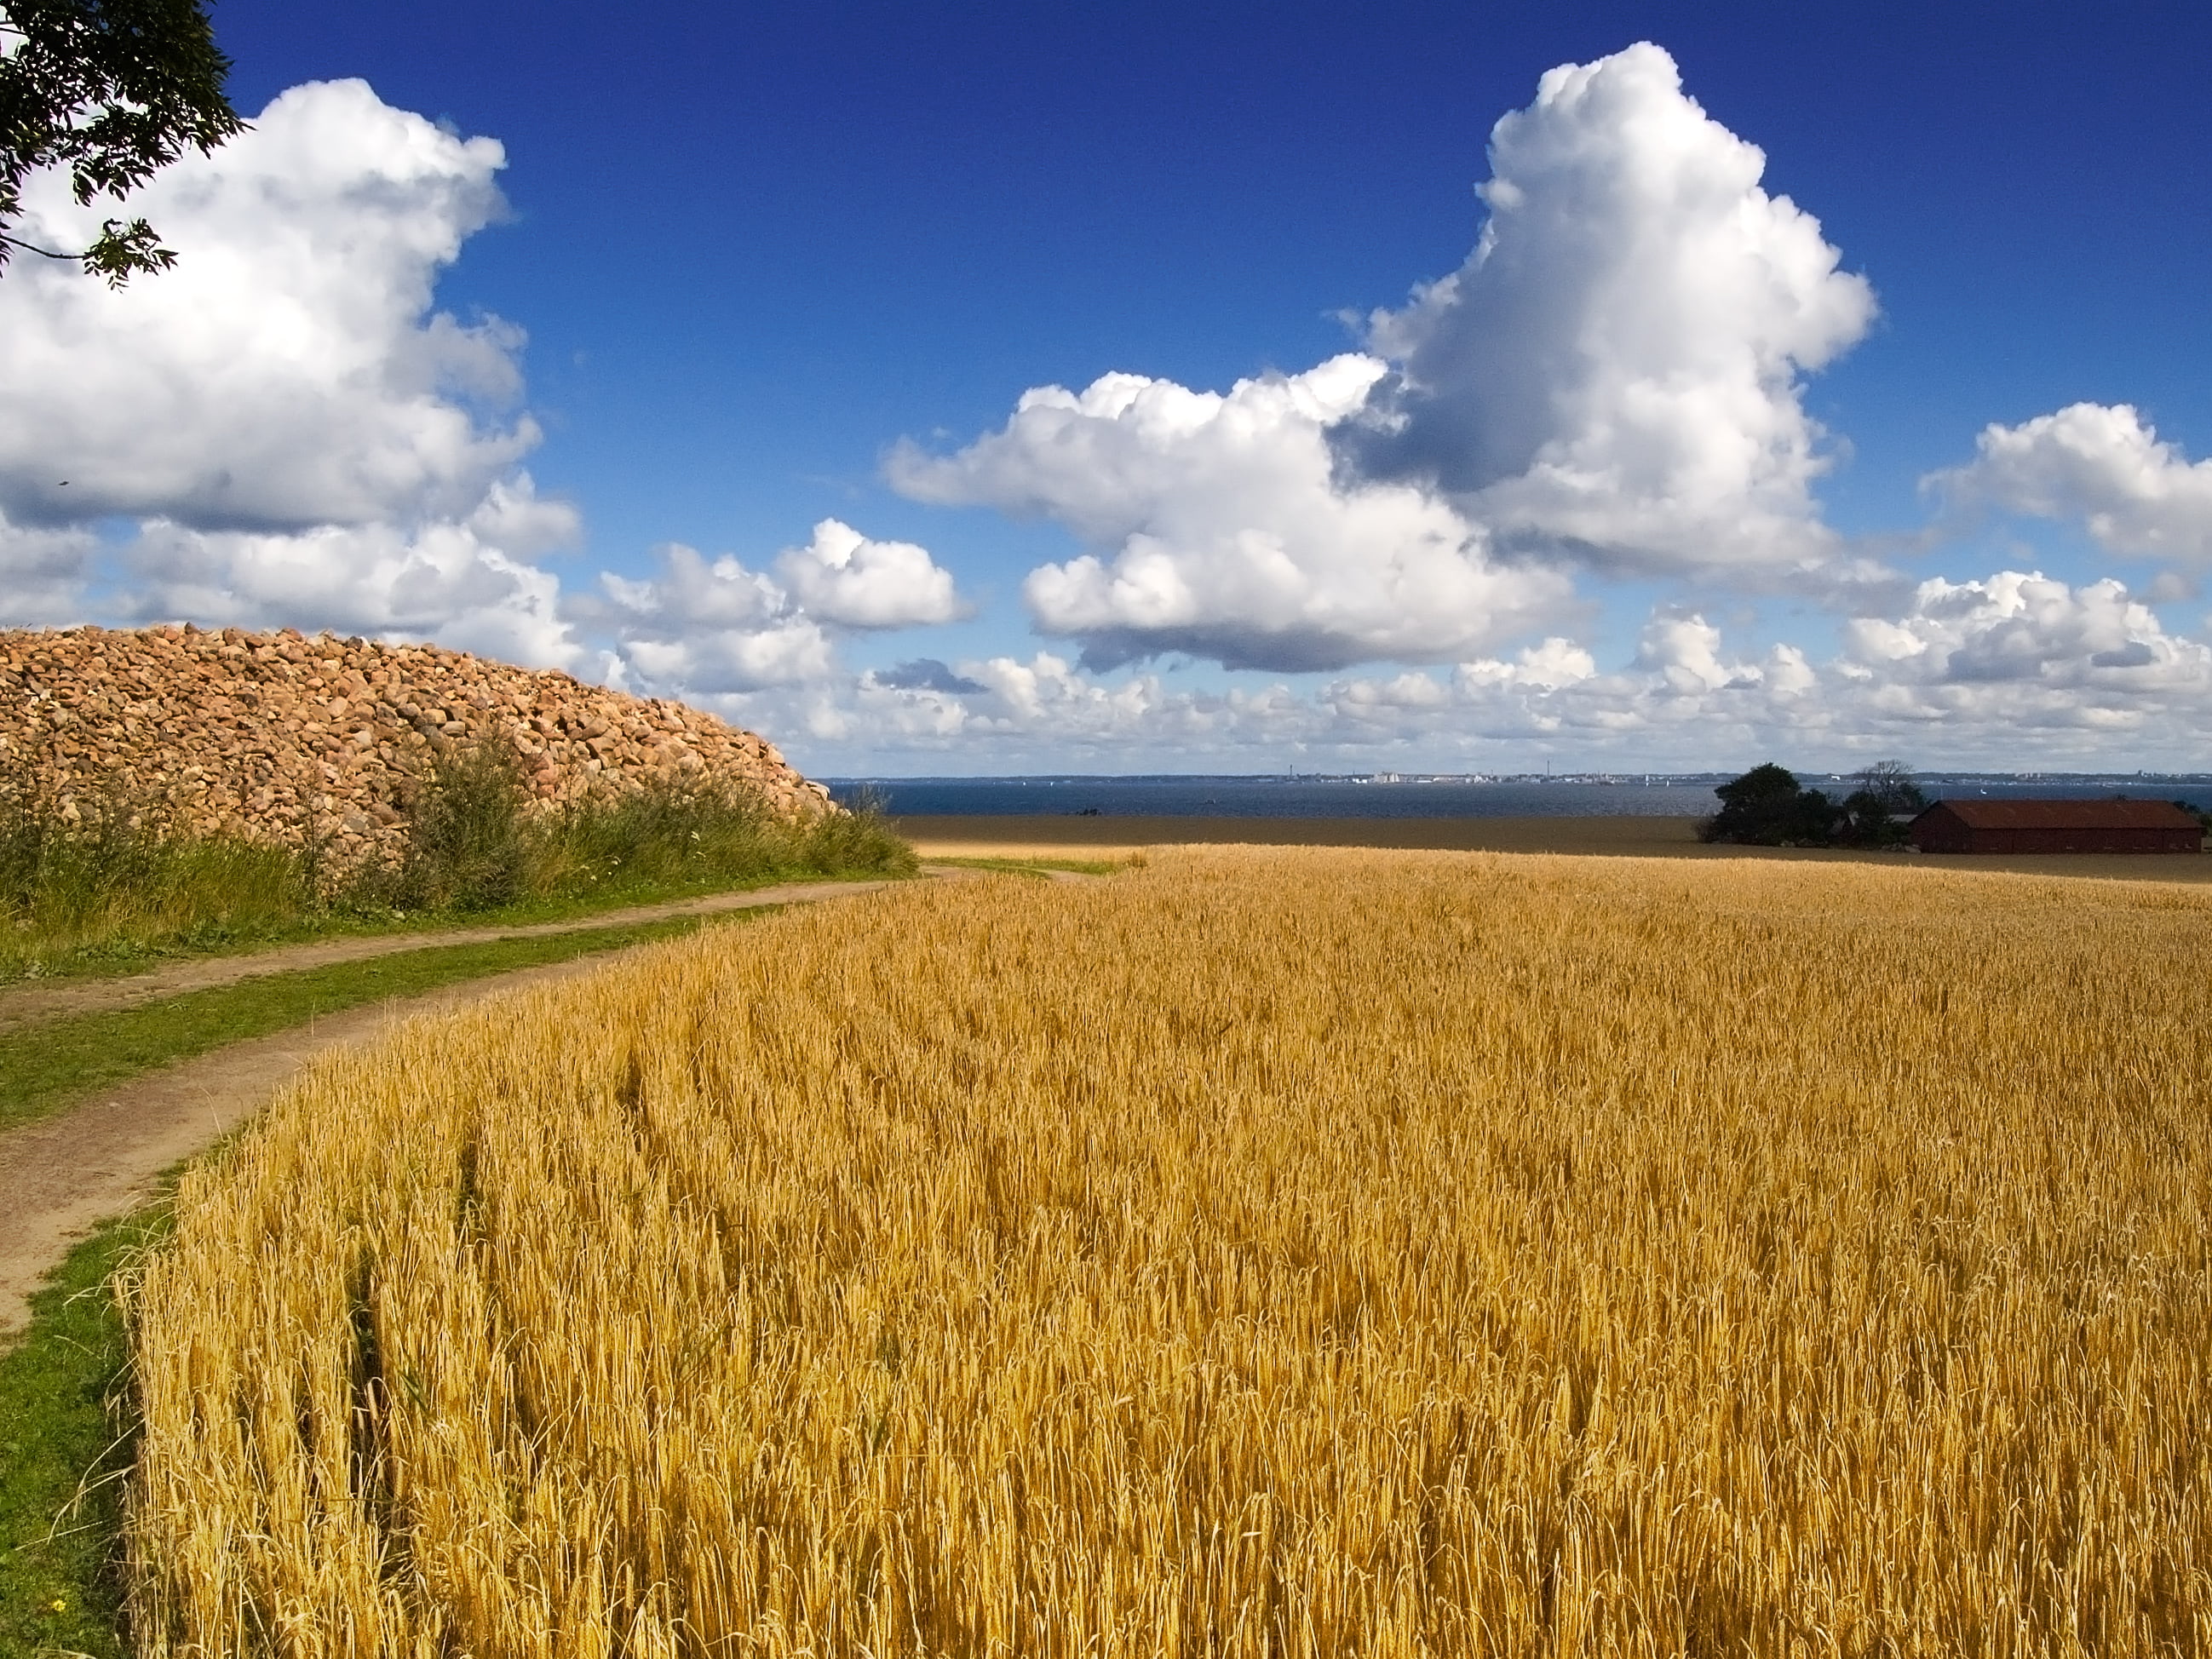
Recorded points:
103,1157
60,1176
28,1005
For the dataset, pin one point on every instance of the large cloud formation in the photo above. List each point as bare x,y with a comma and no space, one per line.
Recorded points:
299,435
850,581
1616,369
1612,381
1964,670
2103,464
287,430
303,438
469,582
285,375
1232,539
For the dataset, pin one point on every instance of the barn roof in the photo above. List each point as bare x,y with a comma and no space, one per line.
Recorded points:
1980,814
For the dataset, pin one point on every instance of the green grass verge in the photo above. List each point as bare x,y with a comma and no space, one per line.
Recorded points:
45,1067
114,958
65,1445
103,885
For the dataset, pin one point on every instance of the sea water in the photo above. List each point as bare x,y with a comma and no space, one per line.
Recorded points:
1405,796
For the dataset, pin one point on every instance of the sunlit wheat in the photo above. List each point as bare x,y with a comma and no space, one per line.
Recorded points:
1284,1253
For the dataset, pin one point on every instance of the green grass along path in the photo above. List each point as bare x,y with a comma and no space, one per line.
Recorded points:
24,1005
65,1443
49,1067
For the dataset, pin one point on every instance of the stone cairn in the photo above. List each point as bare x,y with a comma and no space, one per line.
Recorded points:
279,737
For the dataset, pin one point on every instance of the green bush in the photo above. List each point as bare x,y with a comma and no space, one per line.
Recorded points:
1764,807
680,831
1877,812
115,876
857,841
469,847
474,844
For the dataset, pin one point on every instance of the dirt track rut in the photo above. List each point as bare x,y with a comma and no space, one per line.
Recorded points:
64,1174
61,1176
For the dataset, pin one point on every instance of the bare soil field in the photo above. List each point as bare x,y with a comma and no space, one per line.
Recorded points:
1010,837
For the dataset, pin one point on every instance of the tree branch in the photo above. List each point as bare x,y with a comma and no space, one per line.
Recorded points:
121,250
32,247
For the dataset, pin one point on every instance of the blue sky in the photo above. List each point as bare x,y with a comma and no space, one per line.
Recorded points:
737,256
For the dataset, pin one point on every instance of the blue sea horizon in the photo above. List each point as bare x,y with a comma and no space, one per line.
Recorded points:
1426,795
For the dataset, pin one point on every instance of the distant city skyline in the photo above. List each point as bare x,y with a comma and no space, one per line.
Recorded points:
1614,388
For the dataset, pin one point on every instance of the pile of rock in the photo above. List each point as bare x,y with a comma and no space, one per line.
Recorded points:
278,736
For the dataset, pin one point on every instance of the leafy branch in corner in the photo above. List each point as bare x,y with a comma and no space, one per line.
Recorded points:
112,91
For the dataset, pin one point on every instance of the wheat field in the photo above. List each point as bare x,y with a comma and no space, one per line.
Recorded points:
1262,1253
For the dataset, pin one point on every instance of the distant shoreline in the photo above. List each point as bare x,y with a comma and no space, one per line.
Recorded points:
1620,835
1244,799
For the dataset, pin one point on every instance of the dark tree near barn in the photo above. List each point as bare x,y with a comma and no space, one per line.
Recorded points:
1765,807
1877,812
112,91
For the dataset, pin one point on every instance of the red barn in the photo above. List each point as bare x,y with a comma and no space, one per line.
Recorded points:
2057,826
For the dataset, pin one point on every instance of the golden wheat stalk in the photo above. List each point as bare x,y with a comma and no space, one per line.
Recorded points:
1271,1253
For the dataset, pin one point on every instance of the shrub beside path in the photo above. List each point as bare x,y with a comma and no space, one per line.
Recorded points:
106,1157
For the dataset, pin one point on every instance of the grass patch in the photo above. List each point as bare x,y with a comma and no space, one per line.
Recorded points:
46,1066
66,1430
116,887
112,886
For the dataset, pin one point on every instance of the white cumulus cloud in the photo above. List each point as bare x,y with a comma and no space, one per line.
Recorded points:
468,583
2101,464
2012,669
1223,533
718,627
301,436
1045,703
287,372
1612,380
2022,649
1617,368
714,626
843,577
304,439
